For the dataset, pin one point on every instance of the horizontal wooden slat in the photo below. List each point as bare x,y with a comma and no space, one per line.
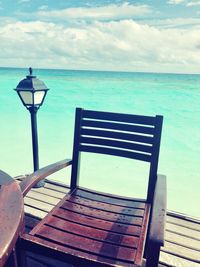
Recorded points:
115,152
183,222
34,211
171,260
183,231
97,223
45,198
115,143
92,233
118,135
119,126
109,216
48,192
177,250
182,240
86,244
105,206
109,198
79,254
41,205
57,188
108,116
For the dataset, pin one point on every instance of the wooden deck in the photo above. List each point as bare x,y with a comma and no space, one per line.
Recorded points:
182,240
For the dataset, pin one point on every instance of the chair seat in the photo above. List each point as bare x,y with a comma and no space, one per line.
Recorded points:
100,228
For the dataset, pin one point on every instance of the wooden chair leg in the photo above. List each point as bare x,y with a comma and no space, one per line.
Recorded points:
153,254
12,260
21,255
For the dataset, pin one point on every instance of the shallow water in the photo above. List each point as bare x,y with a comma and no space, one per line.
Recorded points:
176,97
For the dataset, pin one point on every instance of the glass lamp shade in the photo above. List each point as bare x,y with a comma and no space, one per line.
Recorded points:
31,91
32,98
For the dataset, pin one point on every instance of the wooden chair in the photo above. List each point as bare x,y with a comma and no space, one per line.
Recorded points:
11,219
89,228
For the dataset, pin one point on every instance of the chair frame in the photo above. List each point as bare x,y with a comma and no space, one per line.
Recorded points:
156,194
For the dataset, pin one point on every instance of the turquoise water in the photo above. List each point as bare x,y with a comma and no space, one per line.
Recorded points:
176,97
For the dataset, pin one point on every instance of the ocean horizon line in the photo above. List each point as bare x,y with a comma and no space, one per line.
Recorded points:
103,71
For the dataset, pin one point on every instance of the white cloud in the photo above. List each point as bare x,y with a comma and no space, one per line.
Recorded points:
43,7
110,12
24,1
176,2
185,2
6,20
117,45
176,23
193,3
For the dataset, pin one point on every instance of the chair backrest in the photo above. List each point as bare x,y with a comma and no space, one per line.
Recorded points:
131,136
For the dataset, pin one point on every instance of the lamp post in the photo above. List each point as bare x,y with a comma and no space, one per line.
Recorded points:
32,92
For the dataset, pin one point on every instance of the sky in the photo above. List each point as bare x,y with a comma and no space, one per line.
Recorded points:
144,36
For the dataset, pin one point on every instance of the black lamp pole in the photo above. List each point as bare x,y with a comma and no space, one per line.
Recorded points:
32,92
33,112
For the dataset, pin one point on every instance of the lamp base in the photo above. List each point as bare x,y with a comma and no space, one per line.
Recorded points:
39,184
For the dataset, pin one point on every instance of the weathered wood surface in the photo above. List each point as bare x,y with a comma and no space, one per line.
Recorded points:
11,217
158,221
42,173
182,235
122,243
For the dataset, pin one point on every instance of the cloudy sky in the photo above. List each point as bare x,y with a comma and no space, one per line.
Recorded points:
155,36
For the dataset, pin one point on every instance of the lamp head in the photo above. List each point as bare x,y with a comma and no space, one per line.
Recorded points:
31,91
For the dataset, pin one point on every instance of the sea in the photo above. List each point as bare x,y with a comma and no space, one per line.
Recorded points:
175,96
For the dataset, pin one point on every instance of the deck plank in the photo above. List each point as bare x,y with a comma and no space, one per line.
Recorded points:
49,192
56,186
183,231
36,202
30,210
182,240
184,222
181,251
171,260
45,198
